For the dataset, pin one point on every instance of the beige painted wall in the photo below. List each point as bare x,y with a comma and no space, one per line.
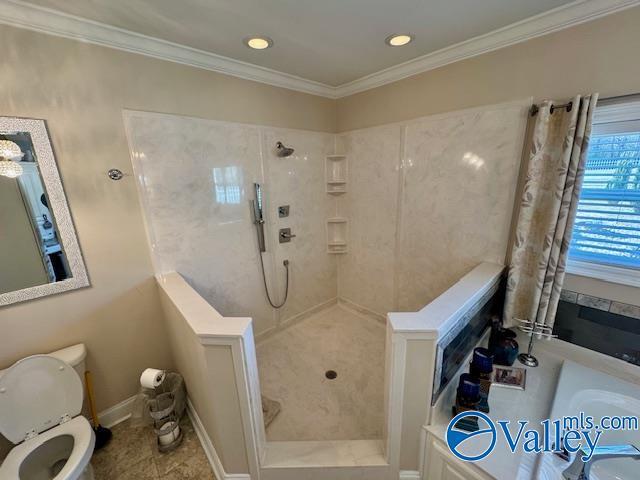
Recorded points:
21,265
81,89
596,56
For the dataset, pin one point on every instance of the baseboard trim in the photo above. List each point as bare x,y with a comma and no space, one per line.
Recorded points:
118,413
409,475
209,449
205,441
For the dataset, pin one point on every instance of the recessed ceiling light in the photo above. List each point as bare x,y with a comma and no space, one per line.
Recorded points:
398,40
258,43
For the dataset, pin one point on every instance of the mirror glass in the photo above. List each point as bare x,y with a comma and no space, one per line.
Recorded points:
38,246
35,255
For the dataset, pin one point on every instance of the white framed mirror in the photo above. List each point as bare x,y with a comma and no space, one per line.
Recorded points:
39,250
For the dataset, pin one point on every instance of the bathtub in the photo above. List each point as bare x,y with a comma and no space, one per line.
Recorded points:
581,389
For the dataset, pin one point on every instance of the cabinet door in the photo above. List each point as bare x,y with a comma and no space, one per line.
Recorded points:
450,473
440,464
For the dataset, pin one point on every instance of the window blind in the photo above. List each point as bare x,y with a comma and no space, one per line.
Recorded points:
607,226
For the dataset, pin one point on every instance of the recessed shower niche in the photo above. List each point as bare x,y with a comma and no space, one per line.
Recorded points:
382,226
337,234
336,172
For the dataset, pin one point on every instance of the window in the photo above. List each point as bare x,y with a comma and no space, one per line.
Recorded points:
606,235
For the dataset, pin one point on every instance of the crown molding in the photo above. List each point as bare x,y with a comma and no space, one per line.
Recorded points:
24,15
566,16
44,20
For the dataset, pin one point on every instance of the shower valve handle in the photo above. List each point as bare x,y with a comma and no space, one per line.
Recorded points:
286,235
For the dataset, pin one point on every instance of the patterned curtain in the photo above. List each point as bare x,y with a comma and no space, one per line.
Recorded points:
554,174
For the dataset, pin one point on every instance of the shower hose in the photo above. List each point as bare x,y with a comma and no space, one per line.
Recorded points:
266,288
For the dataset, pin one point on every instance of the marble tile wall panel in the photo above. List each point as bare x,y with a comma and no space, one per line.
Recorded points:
298,181
366,273
456,191
460,176
196,178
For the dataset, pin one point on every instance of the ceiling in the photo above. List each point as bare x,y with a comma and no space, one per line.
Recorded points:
333,42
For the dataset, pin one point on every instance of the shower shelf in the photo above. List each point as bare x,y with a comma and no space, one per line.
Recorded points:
337,228
336,174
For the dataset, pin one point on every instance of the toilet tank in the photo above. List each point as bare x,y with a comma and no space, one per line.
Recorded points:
74,356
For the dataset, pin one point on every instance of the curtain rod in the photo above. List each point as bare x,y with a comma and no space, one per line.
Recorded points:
534,108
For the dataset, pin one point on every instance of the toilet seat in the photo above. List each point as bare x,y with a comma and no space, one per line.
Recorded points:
83,443
36,394
40,399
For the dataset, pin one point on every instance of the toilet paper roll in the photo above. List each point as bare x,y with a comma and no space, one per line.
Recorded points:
152,378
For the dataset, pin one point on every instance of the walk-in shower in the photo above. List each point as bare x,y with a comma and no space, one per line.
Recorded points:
198,184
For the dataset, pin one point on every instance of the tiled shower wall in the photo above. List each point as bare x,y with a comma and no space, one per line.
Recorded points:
196,179
427,201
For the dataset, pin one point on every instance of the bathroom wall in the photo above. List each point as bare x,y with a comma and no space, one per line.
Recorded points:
196,179
80,90
427,201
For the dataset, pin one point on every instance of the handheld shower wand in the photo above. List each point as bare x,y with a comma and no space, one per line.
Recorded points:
258,220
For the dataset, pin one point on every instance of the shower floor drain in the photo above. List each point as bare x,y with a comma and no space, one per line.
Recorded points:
330,374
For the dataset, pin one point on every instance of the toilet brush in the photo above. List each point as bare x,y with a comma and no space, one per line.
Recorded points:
103,435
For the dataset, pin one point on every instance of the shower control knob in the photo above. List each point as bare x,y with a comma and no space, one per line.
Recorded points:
283,211
285,235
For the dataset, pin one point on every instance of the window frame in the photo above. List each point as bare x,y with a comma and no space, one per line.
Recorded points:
609,114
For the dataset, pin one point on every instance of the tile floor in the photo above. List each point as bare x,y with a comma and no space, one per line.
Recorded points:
132,455
292,366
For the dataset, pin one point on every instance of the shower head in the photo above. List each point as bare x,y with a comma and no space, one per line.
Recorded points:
283,151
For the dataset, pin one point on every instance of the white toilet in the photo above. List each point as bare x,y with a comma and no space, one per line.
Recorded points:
40,411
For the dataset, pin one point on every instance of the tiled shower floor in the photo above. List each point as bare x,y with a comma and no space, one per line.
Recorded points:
292,366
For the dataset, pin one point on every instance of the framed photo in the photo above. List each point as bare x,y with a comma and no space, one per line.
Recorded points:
509,377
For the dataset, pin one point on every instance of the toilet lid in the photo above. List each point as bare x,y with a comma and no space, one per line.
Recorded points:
36,393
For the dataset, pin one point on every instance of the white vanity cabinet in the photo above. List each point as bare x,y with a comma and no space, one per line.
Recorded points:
441,464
